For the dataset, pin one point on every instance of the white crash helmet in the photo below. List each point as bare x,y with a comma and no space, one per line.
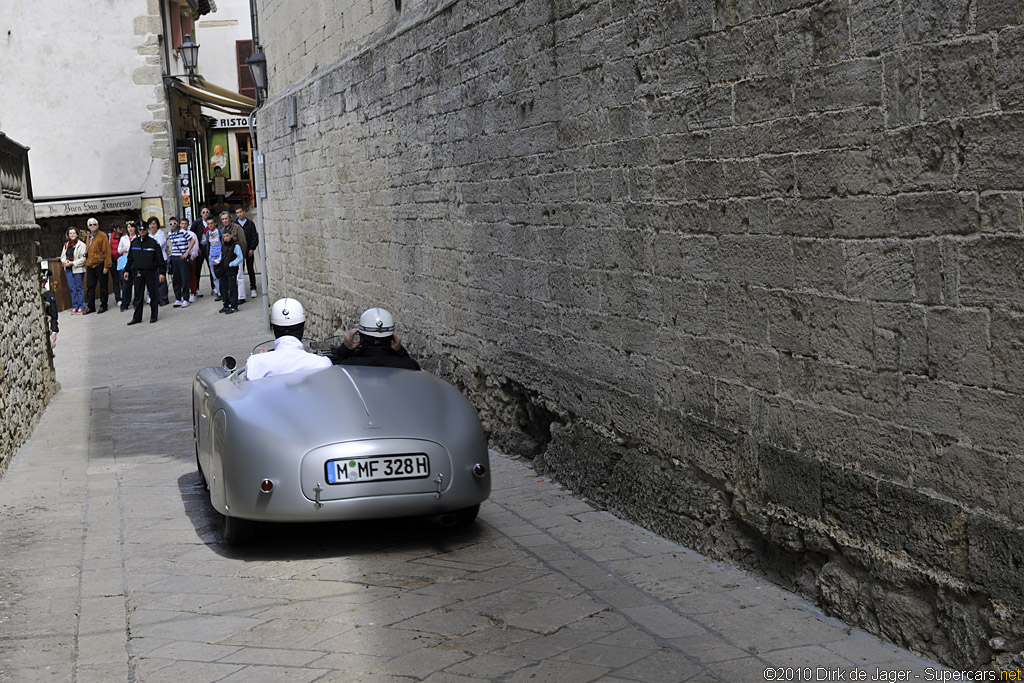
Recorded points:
287,312
376,322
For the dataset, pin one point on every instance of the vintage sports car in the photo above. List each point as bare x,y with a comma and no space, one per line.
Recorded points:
342,443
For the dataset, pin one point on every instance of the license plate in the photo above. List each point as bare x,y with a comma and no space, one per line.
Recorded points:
378,468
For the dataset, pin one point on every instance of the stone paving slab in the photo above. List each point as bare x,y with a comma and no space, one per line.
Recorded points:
113,567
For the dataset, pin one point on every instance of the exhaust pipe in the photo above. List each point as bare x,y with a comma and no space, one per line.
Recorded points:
446,519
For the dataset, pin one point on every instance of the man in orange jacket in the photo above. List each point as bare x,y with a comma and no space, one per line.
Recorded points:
97,266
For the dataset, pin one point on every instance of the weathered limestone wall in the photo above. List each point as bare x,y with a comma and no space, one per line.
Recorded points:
747,272
302,37
27,379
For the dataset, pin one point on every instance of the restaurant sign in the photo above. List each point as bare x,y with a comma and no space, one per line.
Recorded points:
231,122
53,209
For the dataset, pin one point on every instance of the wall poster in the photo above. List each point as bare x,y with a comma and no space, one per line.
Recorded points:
218,145
153,206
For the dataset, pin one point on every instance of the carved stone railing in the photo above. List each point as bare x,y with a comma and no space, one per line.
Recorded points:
27,378
11,174
16,211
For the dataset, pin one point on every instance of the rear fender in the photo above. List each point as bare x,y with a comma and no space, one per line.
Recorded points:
215,475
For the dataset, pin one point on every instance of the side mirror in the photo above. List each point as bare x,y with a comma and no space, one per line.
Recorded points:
228,363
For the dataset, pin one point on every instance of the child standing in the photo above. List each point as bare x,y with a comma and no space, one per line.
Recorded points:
229,269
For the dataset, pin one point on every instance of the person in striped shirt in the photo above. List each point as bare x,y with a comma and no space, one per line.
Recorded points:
179,241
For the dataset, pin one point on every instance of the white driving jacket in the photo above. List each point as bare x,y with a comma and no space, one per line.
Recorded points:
288,356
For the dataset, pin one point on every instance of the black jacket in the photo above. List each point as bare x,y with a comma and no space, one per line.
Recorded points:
198,228
145,254
252,238
50,304
379,356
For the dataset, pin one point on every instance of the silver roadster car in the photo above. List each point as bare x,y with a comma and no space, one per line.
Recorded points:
341,443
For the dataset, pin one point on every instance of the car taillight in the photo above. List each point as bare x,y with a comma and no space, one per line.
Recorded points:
266,486
479,470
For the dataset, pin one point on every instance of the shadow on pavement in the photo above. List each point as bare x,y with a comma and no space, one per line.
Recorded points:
293,541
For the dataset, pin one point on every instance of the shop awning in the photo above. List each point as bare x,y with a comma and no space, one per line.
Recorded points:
201,7
78,206
214,96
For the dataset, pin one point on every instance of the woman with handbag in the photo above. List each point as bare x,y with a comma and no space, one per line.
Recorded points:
123,245
73,259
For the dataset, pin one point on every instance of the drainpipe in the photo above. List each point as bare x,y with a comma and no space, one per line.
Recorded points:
169,98
256,165
255,22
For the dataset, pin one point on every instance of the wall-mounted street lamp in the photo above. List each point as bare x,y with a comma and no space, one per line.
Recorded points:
258,68
189,52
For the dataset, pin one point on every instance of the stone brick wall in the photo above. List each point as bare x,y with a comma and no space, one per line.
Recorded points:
27,379
747,272
309,35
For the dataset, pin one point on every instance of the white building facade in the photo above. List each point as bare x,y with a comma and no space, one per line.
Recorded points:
99,94
86,96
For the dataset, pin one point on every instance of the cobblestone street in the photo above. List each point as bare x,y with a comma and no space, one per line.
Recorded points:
113,567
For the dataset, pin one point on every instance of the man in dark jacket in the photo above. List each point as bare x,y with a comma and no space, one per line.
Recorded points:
145,263
252,240
378,344
50,306
198,227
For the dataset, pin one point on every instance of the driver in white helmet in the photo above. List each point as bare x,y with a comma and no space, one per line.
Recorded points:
378,344
288,319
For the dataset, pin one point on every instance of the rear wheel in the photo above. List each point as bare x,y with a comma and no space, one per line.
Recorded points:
238,531
466,516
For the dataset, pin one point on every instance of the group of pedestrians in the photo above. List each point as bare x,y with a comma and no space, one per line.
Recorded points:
141,259
230,248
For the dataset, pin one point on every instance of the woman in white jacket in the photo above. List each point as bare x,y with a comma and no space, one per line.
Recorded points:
73,260
123,245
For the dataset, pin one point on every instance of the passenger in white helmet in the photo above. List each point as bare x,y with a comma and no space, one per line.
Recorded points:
288,320
378,344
